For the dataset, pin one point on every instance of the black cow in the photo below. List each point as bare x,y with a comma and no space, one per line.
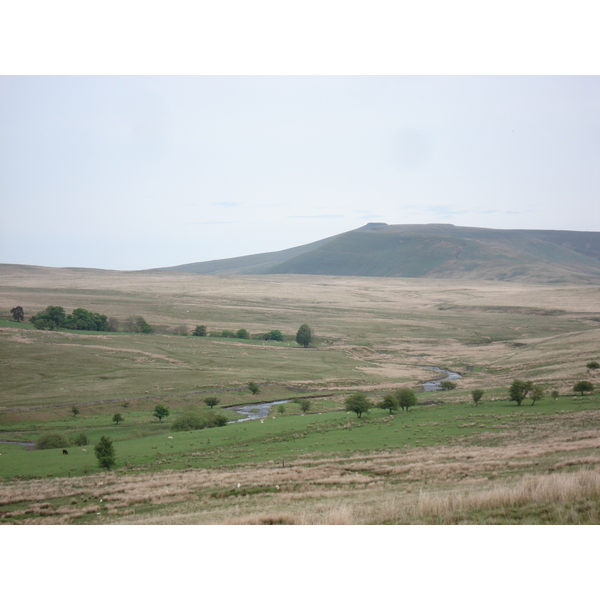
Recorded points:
65,452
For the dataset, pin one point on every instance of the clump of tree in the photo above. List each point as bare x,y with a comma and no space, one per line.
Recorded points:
358,403
554,394
592,365
105,453
477,395
196,419
304,336
200,331
448,385
242,334
47,441
518,390
137,325
274,335
406,398
74,410
18,314
211,401
160,412
583,386
117,418
253,387
55,317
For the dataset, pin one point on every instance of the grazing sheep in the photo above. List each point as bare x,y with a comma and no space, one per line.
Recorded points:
83,450
65,451
170,437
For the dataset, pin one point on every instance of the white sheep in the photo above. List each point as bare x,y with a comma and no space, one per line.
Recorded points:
170,437
83,450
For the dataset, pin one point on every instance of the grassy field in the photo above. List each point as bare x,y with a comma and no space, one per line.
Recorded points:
445,461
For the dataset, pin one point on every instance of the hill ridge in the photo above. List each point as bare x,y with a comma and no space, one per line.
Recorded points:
434,250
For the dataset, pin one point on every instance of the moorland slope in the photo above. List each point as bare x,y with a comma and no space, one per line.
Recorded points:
431,251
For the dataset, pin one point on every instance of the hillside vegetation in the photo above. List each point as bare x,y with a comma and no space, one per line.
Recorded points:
433,251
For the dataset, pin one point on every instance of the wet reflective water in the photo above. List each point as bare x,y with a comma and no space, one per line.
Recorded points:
434,386
255,411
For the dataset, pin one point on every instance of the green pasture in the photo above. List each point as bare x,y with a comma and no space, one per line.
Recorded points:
143,445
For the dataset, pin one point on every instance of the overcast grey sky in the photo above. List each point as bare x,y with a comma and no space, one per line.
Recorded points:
140,172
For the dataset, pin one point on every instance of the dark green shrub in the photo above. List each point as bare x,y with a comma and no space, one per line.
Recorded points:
196,419
80,440
200,331
253,387
227,333
105,453
448,385
51,440
242,334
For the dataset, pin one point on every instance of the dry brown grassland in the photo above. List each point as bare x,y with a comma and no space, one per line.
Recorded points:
378,332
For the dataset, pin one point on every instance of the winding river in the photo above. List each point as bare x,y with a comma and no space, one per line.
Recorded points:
434,386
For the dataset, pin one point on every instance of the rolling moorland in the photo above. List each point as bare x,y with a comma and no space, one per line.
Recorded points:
444,460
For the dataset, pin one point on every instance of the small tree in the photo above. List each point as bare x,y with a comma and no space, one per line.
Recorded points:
105,453
389,402
74,410
554,394
17,313
304,405
117,418
592,366
211,401
358,403
281,408
537,393
448,385
253,387
160,412
477,395
242,334
141,326
518,390
406,398
304,336
200,331
275,335
583,386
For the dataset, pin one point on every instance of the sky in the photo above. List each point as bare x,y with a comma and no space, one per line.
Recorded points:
141,171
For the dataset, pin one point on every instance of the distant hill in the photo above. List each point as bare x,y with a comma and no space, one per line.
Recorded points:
433,251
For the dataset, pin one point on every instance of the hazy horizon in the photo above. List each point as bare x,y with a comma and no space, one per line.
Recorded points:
136,172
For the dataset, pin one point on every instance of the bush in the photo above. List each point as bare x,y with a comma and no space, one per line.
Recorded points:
200,331
242,334
195,419
227,333
80,440
448,385
253,387
52,440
